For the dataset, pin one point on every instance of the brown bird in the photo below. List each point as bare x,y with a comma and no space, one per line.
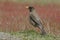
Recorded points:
35,20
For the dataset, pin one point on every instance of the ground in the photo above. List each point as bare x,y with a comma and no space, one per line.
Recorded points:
27,35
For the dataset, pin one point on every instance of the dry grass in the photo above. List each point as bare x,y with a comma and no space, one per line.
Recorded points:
24,23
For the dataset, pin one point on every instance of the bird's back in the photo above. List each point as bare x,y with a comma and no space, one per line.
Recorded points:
35,15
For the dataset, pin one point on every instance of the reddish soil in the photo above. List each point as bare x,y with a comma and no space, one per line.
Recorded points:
14,17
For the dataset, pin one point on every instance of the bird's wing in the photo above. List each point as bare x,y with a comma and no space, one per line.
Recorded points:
34,19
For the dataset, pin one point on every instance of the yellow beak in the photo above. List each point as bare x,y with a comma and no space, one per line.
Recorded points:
27,6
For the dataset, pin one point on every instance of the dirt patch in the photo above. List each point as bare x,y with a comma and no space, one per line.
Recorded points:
7,36
14,17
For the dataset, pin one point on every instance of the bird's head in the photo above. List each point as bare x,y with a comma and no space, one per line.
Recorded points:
30,8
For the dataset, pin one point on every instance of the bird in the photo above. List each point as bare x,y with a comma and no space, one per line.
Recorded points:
35,20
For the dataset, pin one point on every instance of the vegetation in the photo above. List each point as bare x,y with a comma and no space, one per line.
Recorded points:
32,35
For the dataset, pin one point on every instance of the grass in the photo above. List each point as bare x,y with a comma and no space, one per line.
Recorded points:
33,35
35,1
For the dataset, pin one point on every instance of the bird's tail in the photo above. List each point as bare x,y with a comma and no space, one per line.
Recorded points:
42,30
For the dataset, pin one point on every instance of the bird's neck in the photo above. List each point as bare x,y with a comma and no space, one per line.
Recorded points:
32,12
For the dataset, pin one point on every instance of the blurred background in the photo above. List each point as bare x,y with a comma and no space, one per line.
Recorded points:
14,15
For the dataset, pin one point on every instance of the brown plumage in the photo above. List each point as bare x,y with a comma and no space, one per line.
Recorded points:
35,20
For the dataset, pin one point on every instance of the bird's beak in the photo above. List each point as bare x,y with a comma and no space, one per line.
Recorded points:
27,7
